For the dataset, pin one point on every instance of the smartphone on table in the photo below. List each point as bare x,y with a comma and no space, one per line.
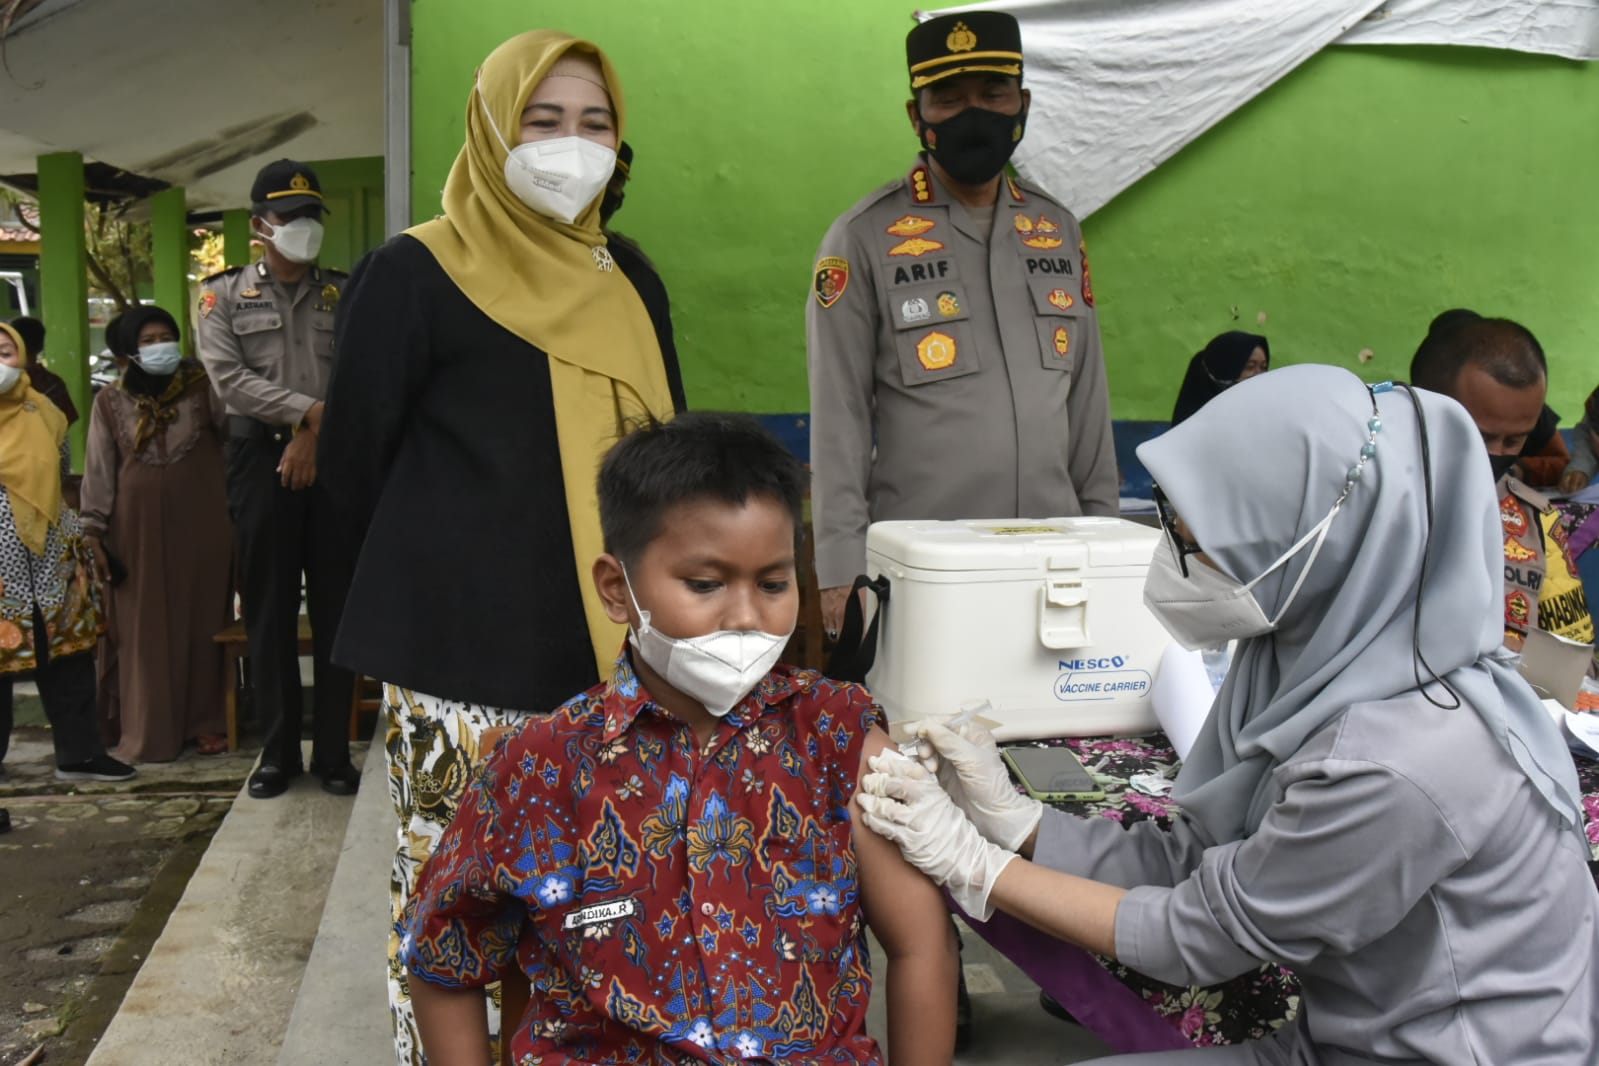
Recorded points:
1052,774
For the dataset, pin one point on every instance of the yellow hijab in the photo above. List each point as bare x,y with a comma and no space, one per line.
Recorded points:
541,279
31,431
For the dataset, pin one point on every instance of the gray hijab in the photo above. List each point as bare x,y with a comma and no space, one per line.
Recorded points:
1254,471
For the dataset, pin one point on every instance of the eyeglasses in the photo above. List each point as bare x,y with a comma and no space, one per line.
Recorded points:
1168,523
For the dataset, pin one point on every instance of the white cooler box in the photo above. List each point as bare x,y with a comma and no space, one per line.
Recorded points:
1045,619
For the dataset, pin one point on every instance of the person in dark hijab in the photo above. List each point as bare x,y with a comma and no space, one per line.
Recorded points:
155,517
1228,359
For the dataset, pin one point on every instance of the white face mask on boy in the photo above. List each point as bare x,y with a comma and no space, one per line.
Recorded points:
718,669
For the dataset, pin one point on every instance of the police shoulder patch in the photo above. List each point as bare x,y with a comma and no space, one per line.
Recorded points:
832,278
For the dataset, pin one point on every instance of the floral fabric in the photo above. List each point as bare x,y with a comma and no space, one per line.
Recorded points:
667,902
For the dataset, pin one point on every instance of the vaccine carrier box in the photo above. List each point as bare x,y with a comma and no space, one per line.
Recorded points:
1043,618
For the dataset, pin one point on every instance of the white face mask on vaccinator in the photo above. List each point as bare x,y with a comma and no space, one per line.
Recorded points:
8,376
1207,607
558,177
298,240
718,669
160,359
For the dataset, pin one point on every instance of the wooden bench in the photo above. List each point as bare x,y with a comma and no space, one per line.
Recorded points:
367,695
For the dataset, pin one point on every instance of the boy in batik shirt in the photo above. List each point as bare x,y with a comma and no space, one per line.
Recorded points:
673,857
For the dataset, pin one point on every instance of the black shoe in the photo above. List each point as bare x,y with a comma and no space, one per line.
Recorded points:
1053,1008
269,781
99,768
5,820
339,781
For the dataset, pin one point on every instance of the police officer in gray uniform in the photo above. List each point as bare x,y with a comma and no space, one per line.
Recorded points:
955,360
266,339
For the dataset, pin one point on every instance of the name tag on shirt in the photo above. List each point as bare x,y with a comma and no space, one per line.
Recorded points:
599,913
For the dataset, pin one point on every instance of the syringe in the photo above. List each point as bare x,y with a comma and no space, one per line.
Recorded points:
969,710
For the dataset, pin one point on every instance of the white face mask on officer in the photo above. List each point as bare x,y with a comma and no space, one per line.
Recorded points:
718,669
1207,607
298,240
160,359
558,177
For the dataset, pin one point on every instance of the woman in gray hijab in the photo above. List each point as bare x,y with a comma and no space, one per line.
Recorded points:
1377,800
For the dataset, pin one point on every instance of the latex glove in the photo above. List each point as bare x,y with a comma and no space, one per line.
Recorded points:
902,802
969,768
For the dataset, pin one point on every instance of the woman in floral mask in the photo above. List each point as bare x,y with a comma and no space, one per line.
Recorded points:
487,359
155,513
49,619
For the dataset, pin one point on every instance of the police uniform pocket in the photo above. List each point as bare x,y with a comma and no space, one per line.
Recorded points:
935,352
1062,322
260,337
322,336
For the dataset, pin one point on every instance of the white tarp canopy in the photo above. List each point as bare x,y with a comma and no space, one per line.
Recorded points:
194,92
1119,86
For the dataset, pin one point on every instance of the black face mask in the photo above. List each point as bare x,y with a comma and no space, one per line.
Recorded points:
1501,464
974,146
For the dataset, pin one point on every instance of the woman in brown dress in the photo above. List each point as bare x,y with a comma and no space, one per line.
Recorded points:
156,515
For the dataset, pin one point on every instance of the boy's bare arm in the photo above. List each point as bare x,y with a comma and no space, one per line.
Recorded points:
907,914
453,1023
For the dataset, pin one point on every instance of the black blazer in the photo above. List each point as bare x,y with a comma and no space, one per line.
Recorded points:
439,445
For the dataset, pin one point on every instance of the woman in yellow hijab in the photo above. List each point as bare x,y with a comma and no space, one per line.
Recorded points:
49,621
486,361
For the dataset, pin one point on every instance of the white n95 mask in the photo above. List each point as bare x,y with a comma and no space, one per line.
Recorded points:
298,240
718,669
1207,607
558,177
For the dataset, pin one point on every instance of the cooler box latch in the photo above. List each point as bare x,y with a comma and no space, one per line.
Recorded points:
1063,614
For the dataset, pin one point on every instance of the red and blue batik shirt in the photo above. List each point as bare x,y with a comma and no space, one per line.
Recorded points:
667,902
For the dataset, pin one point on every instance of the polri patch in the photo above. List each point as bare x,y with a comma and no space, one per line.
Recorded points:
208,302
832,278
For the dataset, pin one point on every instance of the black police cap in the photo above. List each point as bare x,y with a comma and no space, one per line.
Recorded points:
976,41
285,185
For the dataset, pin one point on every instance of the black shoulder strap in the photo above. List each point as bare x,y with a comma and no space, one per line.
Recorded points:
854,654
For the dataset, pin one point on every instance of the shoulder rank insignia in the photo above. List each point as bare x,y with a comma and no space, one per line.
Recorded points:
921,185
909,226
208,302
1015,190
915,246
832,278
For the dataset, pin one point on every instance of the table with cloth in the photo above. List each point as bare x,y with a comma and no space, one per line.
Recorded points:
1127,1010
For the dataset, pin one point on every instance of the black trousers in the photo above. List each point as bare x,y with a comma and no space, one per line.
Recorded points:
67,690
282,534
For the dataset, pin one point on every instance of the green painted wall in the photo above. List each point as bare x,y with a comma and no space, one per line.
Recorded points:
352,189
1367,191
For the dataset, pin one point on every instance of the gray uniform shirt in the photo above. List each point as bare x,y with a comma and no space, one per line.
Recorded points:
971,360
1430,904
268,347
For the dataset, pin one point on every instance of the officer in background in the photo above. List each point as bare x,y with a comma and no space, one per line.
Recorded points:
266,339
952,325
